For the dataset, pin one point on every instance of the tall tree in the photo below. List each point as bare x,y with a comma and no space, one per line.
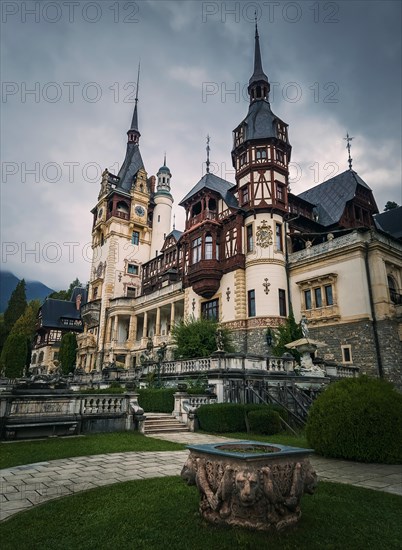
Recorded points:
14,356
24,328
68,351
66,294
390,205
16,305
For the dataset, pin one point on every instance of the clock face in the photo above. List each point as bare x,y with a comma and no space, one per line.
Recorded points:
139,210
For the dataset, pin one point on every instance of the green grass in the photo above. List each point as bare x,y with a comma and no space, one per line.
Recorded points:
163,513
26,452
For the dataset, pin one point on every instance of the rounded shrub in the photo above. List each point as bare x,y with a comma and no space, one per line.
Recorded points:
156,399
264,421
357,419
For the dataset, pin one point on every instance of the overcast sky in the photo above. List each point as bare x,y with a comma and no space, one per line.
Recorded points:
334,67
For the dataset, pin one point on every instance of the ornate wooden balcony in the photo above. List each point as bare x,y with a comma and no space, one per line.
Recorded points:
204,277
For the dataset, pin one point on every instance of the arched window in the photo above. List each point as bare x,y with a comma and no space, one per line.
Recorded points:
208,247
393,292
33,360
41,356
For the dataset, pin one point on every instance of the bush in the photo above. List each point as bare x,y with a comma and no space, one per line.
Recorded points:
267,421
357,419
195,338
231,417
222,417
157,400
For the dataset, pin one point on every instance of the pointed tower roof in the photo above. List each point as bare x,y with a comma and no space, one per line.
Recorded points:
133,161
258,75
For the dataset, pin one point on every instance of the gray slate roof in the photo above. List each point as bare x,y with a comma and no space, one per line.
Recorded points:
260,122
212,182
331,196
390,222
132,163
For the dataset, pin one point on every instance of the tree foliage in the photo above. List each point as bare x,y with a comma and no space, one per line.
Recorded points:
67,353
14,355
390,205
197,338
66,294
284,334
16,352
16,305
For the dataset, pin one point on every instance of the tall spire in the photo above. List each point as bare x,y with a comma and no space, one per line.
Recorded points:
258,86
208,150
134,133
348,147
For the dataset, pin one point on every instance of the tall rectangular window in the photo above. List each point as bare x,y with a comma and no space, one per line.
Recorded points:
280,195
307,299
249,238
282,302
208,247
244,195
251,303
135,237
260,153
328,295
196,250
210,310
318,297
278,236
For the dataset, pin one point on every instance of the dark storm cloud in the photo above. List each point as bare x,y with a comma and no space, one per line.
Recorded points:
334,67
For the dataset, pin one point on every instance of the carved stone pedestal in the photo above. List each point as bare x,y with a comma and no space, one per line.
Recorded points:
249,483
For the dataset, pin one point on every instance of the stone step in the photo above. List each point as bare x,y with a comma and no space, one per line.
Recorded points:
163,423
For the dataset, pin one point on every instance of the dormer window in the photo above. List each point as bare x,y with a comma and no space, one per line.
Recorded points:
239,136
243,159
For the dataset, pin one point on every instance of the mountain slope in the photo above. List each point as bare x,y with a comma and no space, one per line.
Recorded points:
8,282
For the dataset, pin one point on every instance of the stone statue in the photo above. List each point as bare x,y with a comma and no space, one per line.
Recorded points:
304,326
219,339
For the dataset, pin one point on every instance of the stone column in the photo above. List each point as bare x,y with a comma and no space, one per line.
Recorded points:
145,327
132,335
172,313
158,322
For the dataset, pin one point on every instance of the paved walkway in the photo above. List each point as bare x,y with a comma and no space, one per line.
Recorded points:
25,486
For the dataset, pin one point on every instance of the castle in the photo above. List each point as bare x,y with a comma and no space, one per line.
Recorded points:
249,253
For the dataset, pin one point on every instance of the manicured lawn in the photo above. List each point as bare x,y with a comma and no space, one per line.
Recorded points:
163,513
26,452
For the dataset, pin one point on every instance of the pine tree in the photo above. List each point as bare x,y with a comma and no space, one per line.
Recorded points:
16,305
24,327
14,356
67,353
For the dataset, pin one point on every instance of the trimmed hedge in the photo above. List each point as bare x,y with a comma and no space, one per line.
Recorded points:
229,417
357,419
157,400
267,422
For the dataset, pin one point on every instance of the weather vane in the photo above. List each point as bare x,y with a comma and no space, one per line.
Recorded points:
208,150
348,146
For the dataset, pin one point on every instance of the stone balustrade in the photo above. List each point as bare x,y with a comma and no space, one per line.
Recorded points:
41,414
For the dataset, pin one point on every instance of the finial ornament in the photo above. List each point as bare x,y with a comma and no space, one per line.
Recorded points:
208,150
164,160
138,81
348,147
174,222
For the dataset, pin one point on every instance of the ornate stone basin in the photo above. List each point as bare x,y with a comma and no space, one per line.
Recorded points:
250,483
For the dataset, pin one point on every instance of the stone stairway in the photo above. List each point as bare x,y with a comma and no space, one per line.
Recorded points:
162,423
